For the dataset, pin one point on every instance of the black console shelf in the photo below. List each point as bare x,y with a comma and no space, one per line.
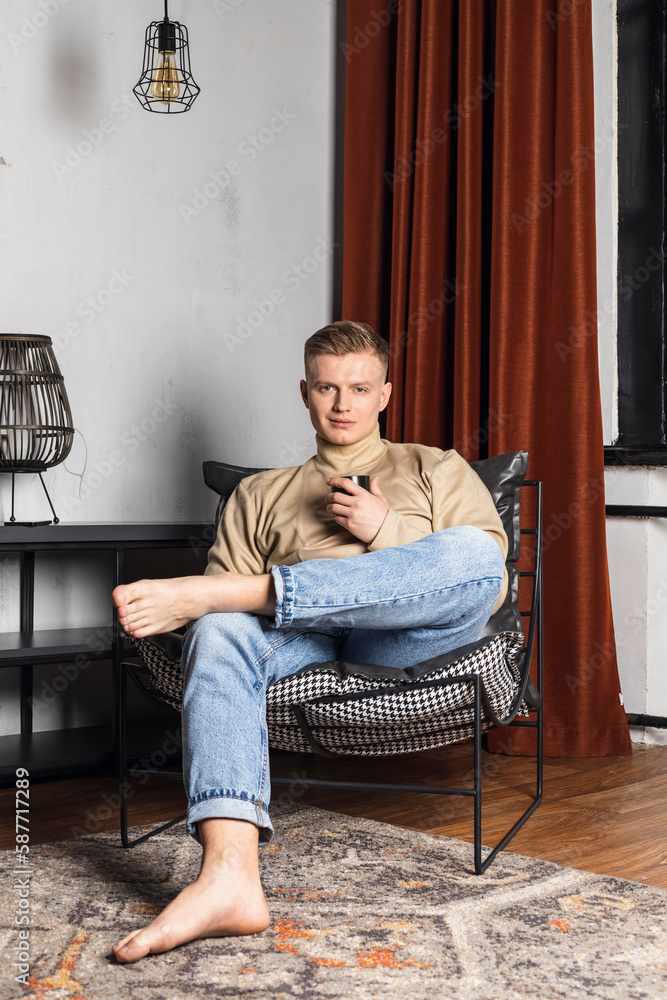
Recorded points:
58,645
75,750
65,753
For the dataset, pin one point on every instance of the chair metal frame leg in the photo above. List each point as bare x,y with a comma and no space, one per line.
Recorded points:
535,639
124,774
481,865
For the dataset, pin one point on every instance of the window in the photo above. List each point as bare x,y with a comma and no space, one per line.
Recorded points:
642,40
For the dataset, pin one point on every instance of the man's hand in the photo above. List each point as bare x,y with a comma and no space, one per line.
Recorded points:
362,513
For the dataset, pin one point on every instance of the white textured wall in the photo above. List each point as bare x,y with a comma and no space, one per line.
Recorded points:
637,548
148,248
141,282
606,198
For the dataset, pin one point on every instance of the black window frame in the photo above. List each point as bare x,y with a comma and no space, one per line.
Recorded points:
642,277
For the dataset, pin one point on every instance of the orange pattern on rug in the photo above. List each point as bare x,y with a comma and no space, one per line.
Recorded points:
62,980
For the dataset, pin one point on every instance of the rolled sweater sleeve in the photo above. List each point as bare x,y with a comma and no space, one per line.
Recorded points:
236,548
395,530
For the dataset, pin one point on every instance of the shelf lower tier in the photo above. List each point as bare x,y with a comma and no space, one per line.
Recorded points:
63,753
58,645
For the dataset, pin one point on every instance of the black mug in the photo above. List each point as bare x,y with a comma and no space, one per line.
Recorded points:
363,481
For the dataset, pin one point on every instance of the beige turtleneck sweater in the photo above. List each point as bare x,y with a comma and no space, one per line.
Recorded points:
278,517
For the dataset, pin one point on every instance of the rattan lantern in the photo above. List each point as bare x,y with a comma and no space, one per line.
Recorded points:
36,430
166,84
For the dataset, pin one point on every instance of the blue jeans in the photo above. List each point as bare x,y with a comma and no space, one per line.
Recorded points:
394,607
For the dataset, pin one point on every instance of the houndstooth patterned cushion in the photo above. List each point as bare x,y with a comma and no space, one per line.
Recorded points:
366,710
162,655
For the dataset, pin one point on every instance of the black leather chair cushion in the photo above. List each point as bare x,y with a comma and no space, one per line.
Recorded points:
503,475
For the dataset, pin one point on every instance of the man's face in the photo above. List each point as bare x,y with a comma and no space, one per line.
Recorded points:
344,395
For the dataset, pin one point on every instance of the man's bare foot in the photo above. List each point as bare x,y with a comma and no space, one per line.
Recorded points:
225,900
149,607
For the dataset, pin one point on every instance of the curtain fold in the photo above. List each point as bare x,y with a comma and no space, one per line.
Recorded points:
469,242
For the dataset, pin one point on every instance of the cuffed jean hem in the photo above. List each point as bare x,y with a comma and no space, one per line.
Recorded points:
225,803
283,581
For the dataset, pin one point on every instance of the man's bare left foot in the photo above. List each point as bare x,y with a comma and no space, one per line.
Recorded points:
149,607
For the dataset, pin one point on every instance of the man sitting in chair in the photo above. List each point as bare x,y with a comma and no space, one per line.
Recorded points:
307,567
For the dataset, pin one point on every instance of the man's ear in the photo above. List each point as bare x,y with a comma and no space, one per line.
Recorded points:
385,395
303,385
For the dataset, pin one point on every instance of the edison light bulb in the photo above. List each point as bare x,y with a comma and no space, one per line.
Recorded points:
165,78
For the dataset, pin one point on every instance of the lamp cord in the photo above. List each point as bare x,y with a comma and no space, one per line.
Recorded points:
166,15
85,462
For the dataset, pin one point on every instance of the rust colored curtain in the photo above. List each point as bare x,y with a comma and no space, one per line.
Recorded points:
469,242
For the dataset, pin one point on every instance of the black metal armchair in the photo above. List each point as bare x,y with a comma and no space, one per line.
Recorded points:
466,692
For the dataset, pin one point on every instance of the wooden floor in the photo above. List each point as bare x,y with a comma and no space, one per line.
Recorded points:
605,815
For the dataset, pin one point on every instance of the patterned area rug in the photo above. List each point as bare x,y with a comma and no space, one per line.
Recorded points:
360,909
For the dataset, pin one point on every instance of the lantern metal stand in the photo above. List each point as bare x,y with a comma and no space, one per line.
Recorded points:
166,84
36,429
31,524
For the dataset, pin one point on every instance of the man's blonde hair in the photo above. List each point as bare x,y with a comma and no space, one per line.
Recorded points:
346,337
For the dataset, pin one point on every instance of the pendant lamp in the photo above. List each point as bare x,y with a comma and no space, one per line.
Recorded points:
166,84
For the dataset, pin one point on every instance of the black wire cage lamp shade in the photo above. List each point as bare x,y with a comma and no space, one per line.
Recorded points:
166,84
36,429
